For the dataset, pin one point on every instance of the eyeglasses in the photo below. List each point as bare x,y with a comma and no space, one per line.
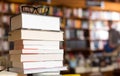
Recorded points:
41,9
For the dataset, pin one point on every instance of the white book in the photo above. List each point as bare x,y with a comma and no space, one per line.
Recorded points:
39,51
95,69
35,57
7,73
55,73
37,70
36,42
67,34
36,47
32,21
115,16
80,70
80,12
47,75
39,64
36,35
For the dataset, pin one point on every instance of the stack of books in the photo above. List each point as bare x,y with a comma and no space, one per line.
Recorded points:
36,44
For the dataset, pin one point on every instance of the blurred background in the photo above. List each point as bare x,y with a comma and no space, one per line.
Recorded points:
86,32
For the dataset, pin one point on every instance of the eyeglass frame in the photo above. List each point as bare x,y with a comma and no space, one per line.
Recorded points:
43,7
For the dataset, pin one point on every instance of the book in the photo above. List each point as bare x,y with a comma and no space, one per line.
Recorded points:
35,57
75,12
57,11
7,73
84,24
41,51
80,69
2,32
67,12
71,75
80,34
35,22
77,24
55,73
35,42
76,44
36,35
99,34
39,64
35,47
70,34
37,70
95,69
47,75
70,23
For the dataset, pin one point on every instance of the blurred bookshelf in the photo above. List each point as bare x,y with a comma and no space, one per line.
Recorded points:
86,35
85,29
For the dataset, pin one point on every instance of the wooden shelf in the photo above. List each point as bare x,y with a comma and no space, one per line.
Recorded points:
71,28
77,39
97,40
16,1
104,20
97,50
77,18
62,28
9,14
78,50
108,6
4,53
99,29
73,3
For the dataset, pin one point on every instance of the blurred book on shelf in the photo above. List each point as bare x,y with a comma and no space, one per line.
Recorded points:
105,15
97,45
76,44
